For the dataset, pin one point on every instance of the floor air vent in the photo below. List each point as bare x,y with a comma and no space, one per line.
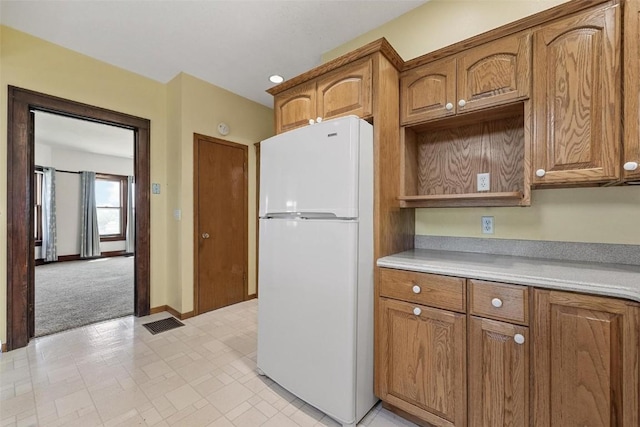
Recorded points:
163,325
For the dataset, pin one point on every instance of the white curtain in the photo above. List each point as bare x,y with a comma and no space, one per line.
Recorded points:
89,233
49,238
130,246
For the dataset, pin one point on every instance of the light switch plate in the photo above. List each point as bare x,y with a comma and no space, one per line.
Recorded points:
155,188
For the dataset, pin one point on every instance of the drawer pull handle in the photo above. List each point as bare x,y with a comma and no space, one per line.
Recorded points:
518,338
416,289
417,311
496,302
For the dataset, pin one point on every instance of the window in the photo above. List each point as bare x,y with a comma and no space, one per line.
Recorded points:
37,208
111,204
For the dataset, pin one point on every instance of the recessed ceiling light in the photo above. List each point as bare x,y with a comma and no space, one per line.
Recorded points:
276,79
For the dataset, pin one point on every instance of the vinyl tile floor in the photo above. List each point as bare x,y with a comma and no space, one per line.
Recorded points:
116,373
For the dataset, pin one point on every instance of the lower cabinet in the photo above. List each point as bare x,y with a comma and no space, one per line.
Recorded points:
578,365
425,361
498,373
585,361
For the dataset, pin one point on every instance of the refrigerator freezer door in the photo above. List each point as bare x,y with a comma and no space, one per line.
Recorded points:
307,311
312,169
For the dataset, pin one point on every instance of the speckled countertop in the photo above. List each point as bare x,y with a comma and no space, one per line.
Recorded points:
615,280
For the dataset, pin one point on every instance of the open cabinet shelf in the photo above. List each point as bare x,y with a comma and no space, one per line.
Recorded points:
513,198
443,158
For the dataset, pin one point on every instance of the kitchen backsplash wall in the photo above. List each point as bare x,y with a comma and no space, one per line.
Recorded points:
564,251
590,215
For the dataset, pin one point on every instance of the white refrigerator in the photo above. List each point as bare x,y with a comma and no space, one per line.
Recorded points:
315,275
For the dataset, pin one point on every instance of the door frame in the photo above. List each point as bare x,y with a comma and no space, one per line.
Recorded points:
20,165
196,199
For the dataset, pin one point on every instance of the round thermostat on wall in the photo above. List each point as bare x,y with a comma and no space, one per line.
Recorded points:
223,129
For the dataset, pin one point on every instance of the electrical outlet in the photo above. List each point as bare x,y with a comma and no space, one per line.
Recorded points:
484,182
155,188
487,225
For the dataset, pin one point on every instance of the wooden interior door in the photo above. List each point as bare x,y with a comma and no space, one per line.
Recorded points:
221,223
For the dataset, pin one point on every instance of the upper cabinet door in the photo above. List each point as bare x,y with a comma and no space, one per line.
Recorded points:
295,107
631,158
495,73
428,92
577,99
346,91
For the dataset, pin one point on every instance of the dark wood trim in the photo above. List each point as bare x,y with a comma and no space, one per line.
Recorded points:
67,258
4,347
20,167
39,261
257,148
76,257
124,206
539,18
197,137
252,296
381,45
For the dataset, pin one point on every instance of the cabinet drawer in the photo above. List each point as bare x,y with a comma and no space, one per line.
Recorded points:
422,288
499,301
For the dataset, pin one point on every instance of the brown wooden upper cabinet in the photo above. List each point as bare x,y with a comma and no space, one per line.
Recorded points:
344,91
631,157
295,107
577,95
492,74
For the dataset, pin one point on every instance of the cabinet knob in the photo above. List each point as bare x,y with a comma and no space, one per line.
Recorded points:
630,166
518,338
205,235
540,173
311,121
496,302
449,106
462,103
417,311
318,119
416,289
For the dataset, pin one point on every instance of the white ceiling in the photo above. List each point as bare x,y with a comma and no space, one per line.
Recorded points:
236,45
81,135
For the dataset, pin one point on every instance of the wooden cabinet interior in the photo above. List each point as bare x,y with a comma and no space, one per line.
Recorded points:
442,159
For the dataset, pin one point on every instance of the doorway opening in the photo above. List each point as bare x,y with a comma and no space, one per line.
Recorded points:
79,283
20,202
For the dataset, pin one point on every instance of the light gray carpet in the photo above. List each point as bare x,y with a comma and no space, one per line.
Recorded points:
76,293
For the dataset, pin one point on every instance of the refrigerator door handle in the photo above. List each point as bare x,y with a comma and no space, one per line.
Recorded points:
301,215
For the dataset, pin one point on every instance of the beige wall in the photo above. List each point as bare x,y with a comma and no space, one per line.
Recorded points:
607,215
440,23
176,110
203,106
